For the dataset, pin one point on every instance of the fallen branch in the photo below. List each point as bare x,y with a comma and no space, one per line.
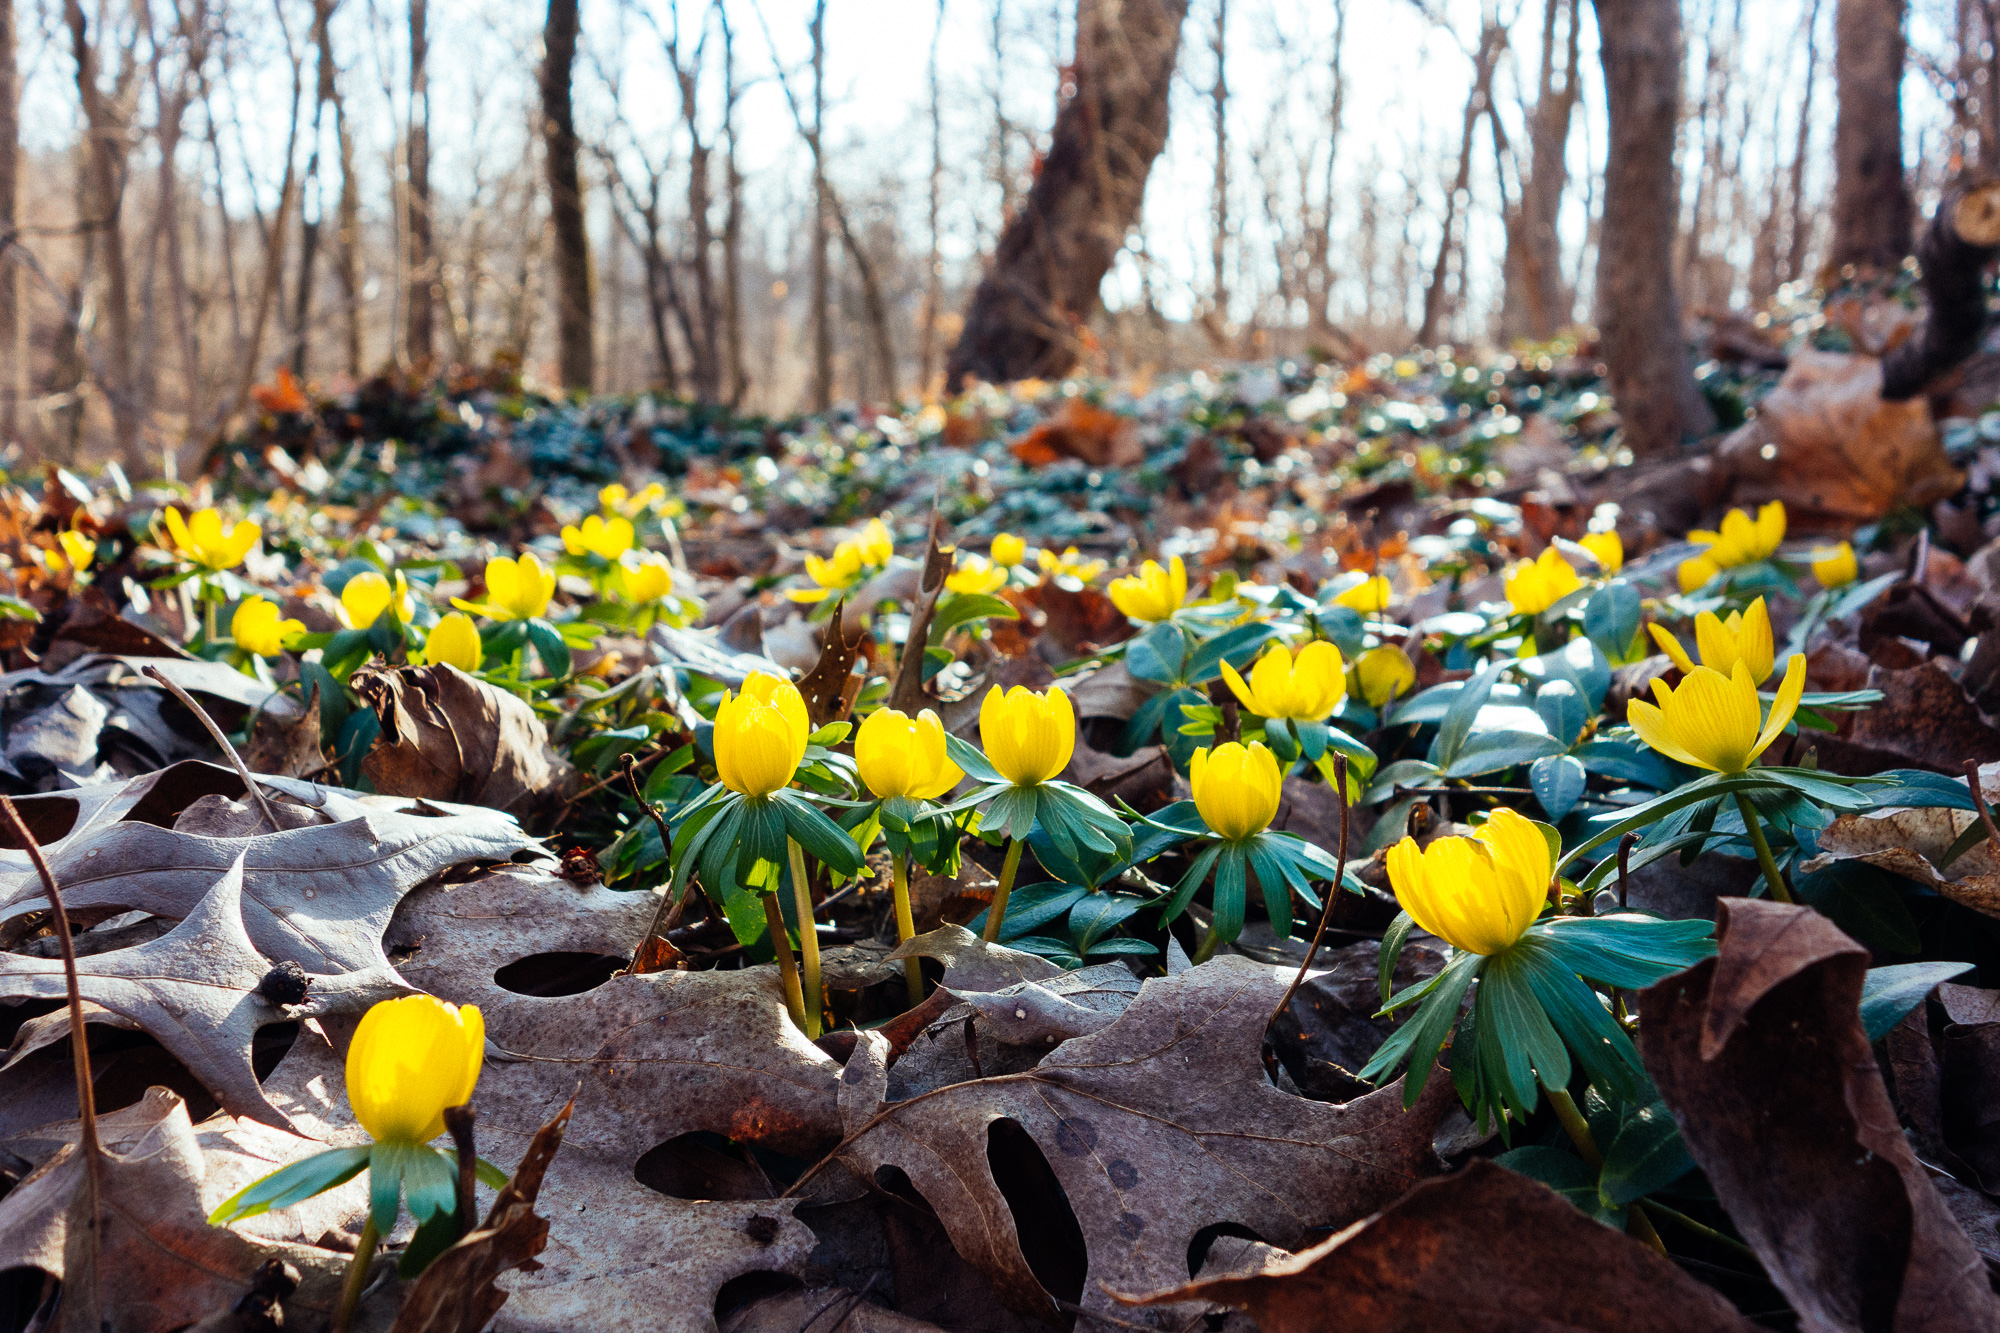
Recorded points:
1963,237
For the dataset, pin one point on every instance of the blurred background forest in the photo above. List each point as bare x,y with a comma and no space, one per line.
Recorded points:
779,205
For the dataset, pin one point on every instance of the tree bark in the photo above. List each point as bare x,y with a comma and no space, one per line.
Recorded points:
1217,322
1538,301
1962,239
822,325
1871,201
13,347
574,360
1026,315
927,344
420,322
1492,40
106,174
1639,315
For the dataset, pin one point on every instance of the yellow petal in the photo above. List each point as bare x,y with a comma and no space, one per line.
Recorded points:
1671,646
1785,706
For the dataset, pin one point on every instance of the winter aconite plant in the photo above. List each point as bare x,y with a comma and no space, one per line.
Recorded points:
904,762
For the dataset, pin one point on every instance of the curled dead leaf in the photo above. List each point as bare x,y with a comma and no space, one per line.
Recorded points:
448,737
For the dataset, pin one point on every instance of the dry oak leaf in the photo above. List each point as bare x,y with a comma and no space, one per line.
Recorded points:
448,737
1156,1127
1911,842
159,1265
1484,1250
319,896
1760,1054
194,990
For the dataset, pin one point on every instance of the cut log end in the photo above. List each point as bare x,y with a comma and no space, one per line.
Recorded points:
1976,216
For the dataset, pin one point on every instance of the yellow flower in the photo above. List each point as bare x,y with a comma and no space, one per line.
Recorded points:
600,537
1711,720
616,500
1029,737
411,1059
77,551
877,546
1696,572
1607,547
1070,565
1009,550
977,574
454,641
1479,893
1833,566
1383,674
256,627
1236,788
1153,593
898,755
1533,586
1742,539
1305,687
647,579
203,541
367,595
1745,637
760,735
1370,598
851,560
515,589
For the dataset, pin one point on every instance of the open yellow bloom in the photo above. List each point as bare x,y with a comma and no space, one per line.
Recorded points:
616,500
77,551
760,735
411,1059
454,641
1745,637
515,589
1070,565
1370,598
257,628
876,545
1153,593
851,559
1479,893
1743,539
1384,673
367,595
1533,586
1833,566
1696,571
977,574
609,538
1236,788
899,755
646,579
1029,737
1304,687
203,541
1711,720
1009,550
1607,547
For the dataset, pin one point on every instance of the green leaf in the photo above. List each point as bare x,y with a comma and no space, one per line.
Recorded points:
1888,994
827,841
1611,618
1864,901
1230,893
965,607
1158,655
1392,950
292,1184
1032,906
1564,1172
386,1164
1624,949
550,646
1456,725
1626,761
430,1183
1415,1045
1275,883
1493,751
1096,915
1196,874
969,758
1515,1037
1646,1155
1558,781
1236,646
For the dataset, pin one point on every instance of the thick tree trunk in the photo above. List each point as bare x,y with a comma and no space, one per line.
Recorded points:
573,318
1028,311
1538,301
419,330
13,347
1639,316
1492,41
1871,202
105,167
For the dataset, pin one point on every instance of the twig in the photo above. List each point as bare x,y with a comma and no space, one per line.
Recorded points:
1625,846
242,769
79,1045
663,920
1326,908
907,694
1979,801
458,1119
1462,791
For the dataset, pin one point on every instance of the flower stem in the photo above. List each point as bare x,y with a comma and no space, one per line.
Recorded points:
808,939
906,926
788,967
357,1275
207,620
1008,869
1579,1133
1209,943
1764,857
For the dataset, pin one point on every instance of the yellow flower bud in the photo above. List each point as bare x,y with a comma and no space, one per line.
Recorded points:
977,575
1745,637
1607,547
1384,673
1370,598
646,579
1697,571
454,641
608,538
1236,788
1743,539
1479,893
80,550
760,735
1711,721
898,755
1833,566
1533,586
515,589
1305,687
366,596
1070,565
1028,737
1153,593
256,627
412,1059
1009,550
204,542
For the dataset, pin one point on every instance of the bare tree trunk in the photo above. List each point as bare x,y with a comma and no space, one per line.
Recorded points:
1799,233
309,227
14,347
1217,322
420,321
732,224
1638,313
1320,317
1042,284
927,350
1537,304
573,315
1871,201
106,167
1492,40
822,325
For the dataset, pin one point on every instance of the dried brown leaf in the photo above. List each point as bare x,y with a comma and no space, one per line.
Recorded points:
448,737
